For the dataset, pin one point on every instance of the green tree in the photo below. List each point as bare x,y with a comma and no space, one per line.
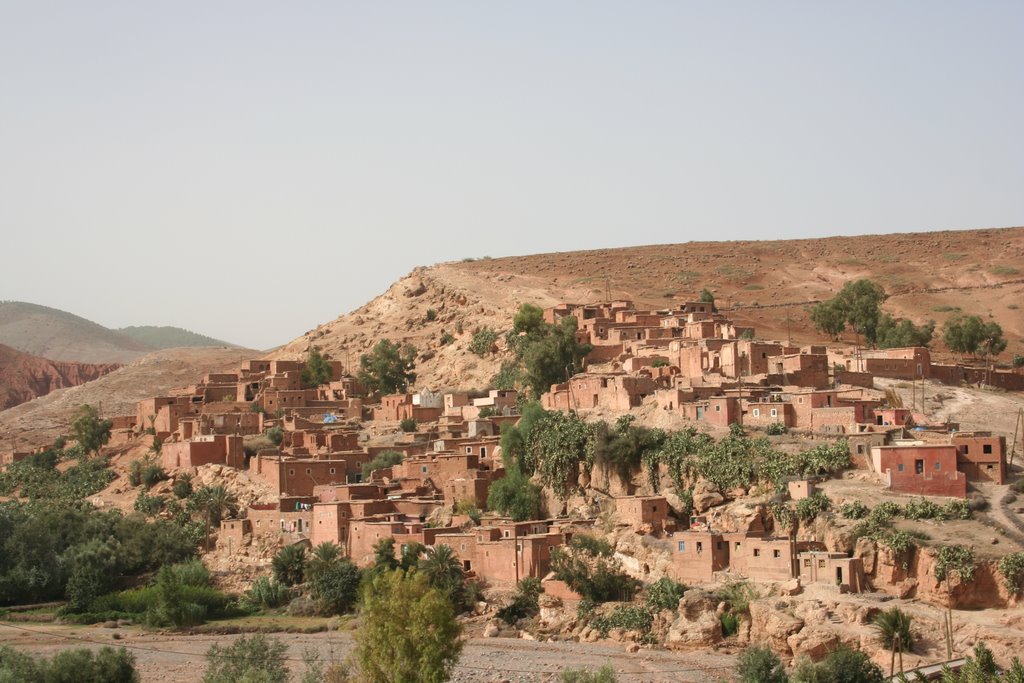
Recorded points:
862,300
828,317
708,297
289,564
317,371
384,556
335,587
321,559
514,495
89,430
970,334
545,353
388,368
444,572
894,333
760,665
409,633
250,659
213,502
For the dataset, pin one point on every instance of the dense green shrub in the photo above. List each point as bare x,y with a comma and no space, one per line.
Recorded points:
381,461
605,674
45,550
955,559
854,510
525,603
407,425
483,341
812,506
664,594
776,429
626,617
182,485
587,566
105,665
760,665
254,658
336,587
1011,567
266,593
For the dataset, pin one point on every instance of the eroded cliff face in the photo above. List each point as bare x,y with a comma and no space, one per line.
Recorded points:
913,576
24,377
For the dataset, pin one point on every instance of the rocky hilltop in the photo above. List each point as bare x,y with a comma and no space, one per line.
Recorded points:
765,284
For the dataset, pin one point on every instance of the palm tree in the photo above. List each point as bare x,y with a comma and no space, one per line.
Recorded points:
214,502
321,559
893,629
289,564
444,572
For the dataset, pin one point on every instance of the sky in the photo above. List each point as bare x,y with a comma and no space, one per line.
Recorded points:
248,170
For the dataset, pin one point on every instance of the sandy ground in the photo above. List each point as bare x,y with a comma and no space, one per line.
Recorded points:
174,658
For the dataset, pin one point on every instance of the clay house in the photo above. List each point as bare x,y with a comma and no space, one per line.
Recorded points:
397,407
981,456
497,402
697,555
298,476
234,535
819,566
614,391
799,489
219,449
761,558
161,414
920,469
290,518
10,457
645,514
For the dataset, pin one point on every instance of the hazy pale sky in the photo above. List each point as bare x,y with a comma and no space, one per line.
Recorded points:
250,169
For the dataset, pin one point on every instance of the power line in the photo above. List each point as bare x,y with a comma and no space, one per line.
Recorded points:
195,655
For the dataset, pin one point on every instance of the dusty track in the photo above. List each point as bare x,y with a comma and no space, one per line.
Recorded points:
174,658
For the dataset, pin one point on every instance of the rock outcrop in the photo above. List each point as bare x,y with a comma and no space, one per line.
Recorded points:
24,377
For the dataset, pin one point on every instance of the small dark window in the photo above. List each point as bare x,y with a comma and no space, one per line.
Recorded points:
987,449
757,552
776,553
919,467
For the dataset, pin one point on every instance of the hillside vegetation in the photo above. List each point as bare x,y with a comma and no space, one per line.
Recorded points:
165,337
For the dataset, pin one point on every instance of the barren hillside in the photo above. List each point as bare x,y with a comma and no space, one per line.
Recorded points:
768,284
40,421
59,335
24,377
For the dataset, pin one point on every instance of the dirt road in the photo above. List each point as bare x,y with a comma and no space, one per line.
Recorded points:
172,658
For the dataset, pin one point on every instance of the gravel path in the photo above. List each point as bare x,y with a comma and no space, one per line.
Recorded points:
176,658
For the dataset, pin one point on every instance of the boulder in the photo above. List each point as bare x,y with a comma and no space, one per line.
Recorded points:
814,642
698,623
773,626
706,495
791,587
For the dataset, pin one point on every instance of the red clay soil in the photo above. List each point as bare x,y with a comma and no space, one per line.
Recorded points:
24,377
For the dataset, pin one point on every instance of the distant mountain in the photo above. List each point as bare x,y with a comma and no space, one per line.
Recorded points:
58,335
169,337
24,377
61,336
